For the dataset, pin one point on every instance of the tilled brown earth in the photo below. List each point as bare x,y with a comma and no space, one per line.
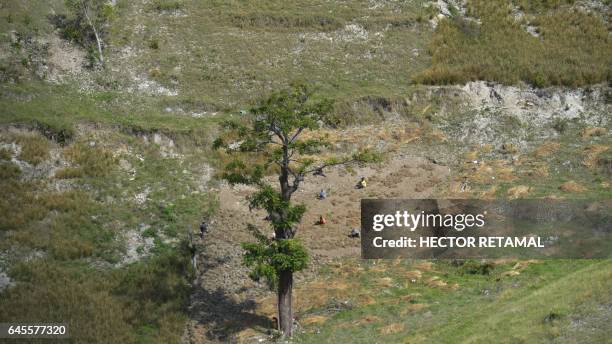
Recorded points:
225,298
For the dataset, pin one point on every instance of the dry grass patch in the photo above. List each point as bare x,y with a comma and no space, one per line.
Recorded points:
595,131
592,155
385,282
510,273
424,266
380,267
486,148
392,328
312,295
505,173
538,170
413,307
518,191
572,186
546,149
368,319
267,306
489,193
524,264
471,155
314,319
436,282
414,274
365,300
486,172
91,161
34,147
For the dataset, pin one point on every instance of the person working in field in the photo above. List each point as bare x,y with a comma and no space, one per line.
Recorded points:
203,228
319,172
322,221
362,183
322,194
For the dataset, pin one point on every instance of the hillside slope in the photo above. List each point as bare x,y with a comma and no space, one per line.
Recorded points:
107,171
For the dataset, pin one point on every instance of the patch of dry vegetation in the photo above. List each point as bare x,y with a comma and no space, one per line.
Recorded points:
518,191
593,131
34,147
546,149
89,161
573,47
592,154
572,186
5,154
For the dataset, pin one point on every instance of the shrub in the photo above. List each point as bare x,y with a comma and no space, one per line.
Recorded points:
560,125
154,44
9,170
5,154
91,161
34,148
474,267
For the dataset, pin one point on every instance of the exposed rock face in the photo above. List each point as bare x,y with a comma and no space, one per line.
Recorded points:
539,104
492,113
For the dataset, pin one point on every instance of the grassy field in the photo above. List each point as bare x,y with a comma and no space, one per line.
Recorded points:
104,173
81,246
421,302
218,55
567,47
575,163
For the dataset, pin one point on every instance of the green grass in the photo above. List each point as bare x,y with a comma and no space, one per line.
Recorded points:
538,305
142,303
34,148
55,110
245,49
73,234
220,56
564,165
573,49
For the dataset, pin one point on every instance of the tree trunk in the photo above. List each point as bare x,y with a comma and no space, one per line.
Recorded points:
98,39
285,313
99,42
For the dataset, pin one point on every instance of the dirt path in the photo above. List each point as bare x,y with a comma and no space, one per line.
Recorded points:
224,301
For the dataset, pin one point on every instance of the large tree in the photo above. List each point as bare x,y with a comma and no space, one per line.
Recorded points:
268,140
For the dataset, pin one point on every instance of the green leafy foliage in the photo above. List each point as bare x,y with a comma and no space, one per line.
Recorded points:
269,137
268,258
282,213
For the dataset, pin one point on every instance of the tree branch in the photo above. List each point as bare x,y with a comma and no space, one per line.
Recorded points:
297,133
